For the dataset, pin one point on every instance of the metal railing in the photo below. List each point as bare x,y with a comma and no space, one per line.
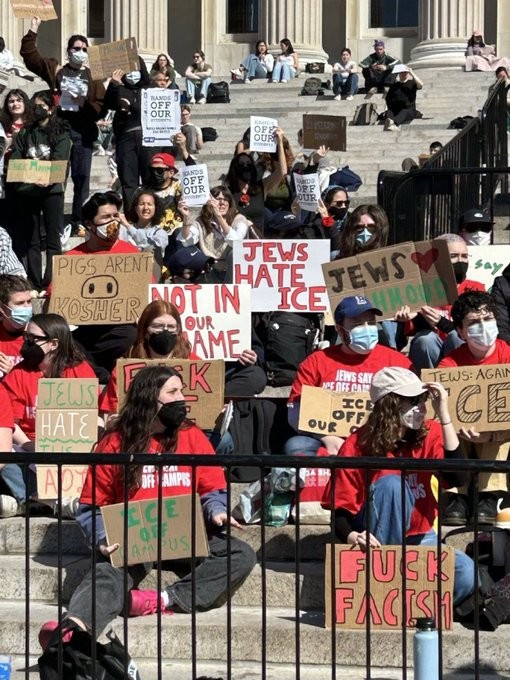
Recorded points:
427,202
306,644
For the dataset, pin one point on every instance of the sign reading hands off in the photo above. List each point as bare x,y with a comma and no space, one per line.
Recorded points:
413,274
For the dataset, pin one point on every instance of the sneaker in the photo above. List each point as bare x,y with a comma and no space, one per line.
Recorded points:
201,100
145,602
69,508
46,633
456,510
66,235
9,506
237,74
372,90
487,508
350,97
283,80
338,98
192,100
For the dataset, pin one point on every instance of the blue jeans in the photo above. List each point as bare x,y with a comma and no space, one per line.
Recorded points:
197,89
254,68
301,445
12,475
386,525
427,348
283,72
349,86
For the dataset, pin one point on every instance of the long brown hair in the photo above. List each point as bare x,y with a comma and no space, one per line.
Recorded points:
346,242
140,349
206,214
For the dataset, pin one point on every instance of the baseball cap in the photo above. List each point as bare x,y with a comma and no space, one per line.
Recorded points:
165,158
400,68
398,380
475,216
284,220
187,258
378,43
353,306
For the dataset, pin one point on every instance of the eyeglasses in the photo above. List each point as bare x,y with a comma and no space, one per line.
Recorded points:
160,327
30,337
340,203
78,49
419,399
220,199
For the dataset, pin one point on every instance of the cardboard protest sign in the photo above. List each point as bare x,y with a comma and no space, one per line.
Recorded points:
348,594
203,385
106,58
100,289
487,262
26,9
262,136
161,115
216,318
308,191
66,421
284,275
195,184
479,396
32,170
143,532
319,130
326,412
413,274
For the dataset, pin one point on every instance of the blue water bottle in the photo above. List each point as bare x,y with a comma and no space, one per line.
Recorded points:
5,667
426,650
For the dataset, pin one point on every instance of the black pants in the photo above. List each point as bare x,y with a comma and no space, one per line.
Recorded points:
103,345
133,163
402,116
81,164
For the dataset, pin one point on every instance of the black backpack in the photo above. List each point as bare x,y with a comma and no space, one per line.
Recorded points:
251,425
312,87
365,114
218,93
209,134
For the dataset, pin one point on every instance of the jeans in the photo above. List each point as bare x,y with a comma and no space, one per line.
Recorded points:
197,88
254,68
12,476
427,348
348,86
301,445
283,72
210,577
386,524
81,164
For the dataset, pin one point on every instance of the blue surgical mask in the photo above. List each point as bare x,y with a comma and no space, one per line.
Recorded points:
482,335
133,78
363,237
364,338
20,316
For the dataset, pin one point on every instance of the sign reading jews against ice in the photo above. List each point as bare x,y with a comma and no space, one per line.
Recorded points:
284,275
195,185
308,191
262,134
161,115
216,318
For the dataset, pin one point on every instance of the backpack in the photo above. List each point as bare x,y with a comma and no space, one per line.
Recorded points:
314,67
251,424
209,134
288,338
312,87
365,114
218,93
460,122
347,178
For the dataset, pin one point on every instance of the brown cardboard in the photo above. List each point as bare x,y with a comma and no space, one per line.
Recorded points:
100,288
319,130
142,532
26,9
34,171
106,58
348,594
203,385
479,396
73,478
327,412
413,274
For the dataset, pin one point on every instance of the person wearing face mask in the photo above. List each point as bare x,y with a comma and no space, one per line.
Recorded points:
165,184
475,227
332,214
347,367
79,100
474,316
15,313
153,419
397,428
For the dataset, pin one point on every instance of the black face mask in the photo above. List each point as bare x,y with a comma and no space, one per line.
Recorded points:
32,354
162,343
158,176
460,271
338,213
40,113
172,414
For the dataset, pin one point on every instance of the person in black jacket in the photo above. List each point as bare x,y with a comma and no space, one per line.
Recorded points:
401,98
501,294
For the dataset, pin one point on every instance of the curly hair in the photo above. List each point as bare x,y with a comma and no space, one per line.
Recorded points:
346,243
55,127
159,207
141,349
12,283
207,214
67,353
382,432
471,301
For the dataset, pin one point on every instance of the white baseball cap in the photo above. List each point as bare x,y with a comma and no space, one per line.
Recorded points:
398,380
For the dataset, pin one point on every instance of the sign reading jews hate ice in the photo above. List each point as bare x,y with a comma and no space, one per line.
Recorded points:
262,137
479,396
326,412
65,422
216,318
195,184
284,275
100,289
413,274
161,115
348,602
142,523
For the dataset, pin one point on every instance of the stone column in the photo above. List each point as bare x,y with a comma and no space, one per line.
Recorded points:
444,28
147,21
298,20
11,29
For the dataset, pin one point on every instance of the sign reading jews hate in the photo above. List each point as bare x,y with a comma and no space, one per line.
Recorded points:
161,115
195,184
320,130
26,9
487,262
348,602
413,274
176,535
104,59
65,422
203,385
326,412
100,289
284,275
216,318
34,171
479,396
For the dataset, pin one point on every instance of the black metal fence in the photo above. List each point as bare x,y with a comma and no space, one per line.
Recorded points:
427,202
299,550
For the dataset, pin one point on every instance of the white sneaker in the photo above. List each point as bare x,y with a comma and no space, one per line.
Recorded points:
64,238
283,80
8,506
350,98
237,73
69,507
201,100
338,98
192,100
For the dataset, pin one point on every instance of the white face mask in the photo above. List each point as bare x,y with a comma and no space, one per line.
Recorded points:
482,335
78,58
133,78
414,417
477,238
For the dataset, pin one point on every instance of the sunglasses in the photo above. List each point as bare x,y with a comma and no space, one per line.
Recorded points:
79,49
338,204
419,399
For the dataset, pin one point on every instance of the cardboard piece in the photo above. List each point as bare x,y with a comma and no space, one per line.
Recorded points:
143,534
413,274
308,191
34,171
161,115
102,288
216,318
479,396
284,275
195,184
66,421
105,58
203,385
330,131
262,137
338,413
26,9
487,262
348,593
